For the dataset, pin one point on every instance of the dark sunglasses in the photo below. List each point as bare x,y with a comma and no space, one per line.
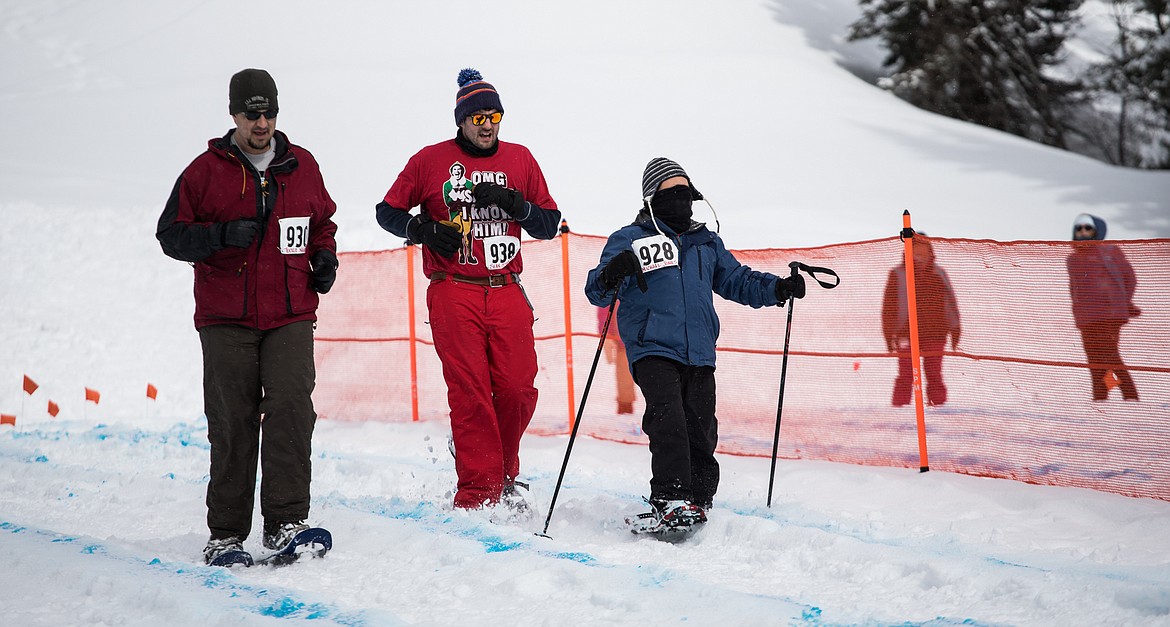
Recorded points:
479,119
255,115
1085,227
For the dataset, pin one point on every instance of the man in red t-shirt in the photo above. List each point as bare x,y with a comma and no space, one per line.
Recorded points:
475,194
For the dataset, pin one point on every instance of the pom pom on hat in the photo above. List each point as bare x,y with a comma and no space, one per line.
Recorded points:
468,75
474,94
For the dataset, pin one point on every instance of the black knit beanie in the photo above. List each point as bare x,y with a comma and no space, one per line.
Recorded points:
251,90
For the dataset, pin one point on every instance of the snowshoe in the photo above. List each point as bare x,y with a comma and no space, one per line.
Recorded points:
514,507
515,498
291,540
226,552
670,520
278,537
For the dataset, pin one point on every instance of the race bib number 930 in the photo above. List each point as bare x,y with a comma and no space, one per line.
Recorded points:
294,235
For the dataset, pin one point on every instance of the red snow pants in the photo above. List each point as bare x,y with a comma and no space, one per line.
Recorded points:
483,337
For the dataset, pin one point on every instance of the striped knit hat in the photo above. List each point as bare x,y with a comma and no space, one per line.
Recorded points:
474,94
658,170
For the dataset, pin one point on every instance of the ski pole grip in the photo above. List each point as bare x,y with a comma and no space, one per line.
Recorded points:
813,271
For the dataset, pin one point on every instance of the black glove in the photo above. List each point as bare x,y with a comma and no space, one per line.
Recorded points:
623,265
439,237
238,233
488,193
789,287
324,270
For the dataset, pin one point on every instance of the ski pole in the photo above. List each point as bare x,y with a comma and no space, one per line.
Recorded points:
580,410
796,267
780,402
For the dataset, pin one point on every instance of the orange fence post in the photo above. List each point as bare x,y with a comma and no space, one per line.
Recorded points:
568,319
411,333
915,356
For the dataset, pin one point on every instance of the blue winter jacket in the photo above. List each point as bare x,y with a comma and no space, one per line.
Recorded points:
676,318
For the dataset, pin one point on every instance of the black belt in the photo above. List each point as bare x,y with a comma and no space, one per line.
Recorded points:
492,280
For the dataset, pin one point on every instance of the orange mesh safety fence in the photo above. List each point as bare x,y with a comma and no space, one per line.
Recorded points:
1019,401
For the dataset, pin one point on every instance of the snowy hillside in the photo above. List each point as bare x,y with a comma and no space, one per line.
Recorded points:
101,509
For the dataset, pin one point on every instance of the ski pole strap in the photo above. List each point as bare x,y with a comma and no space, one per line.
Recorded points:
812,272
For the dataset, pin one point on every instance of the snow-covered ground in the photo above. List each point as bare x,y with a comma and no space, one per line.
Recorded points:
101,509
102,524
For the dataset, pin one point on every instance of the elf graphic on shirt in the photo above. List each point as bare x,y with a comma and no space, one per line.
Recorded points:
457,195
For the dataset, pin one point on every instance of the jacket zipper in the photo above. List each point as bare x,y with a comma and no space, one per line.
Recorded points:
243,271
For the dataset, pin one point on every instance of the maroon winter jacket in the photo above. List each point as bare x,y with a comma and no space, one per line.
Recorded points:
258,286
1101,281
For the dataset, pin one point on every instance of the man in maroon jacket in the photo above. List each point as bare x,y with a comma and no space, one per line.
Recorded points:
252,215
475,194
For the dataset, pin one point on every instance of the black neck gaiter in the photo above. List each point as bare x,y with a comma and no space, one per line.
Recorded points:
673,207
471,149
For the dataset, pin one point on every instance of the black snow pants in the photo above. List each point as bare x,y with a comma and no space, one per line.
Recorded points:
680,422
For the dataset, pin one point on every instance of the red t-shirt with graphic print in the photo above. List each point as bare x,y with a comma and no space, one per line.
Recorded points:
440,178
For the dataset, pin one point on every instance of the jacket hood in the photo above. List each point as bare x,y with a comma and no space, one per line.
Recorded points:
1086,218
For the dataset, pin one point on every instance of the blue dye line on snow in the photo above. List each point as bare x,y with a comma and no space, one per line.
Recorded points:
182,434
436,519
440,521
945,549
256,599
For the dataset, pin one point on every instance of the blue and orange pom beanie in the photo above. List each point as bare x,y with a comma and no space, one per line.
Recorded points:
474,94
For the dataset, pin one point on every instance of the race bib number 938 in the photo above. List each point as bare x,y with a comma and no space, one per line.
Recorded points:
500,250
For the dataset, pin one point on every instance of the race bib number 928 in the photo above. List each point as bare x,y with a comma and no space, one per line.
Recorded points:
655,252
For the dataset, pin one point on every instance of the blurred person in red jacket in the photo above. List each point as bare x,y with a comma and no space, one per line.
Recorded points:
1101,283
938,317
615,353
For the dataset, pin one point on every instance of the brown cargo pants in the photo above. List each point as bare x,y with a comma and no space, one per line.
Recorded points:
257,388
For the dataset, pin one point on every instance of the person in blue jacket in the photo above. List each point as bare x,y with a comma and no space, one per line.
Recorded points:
666,268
